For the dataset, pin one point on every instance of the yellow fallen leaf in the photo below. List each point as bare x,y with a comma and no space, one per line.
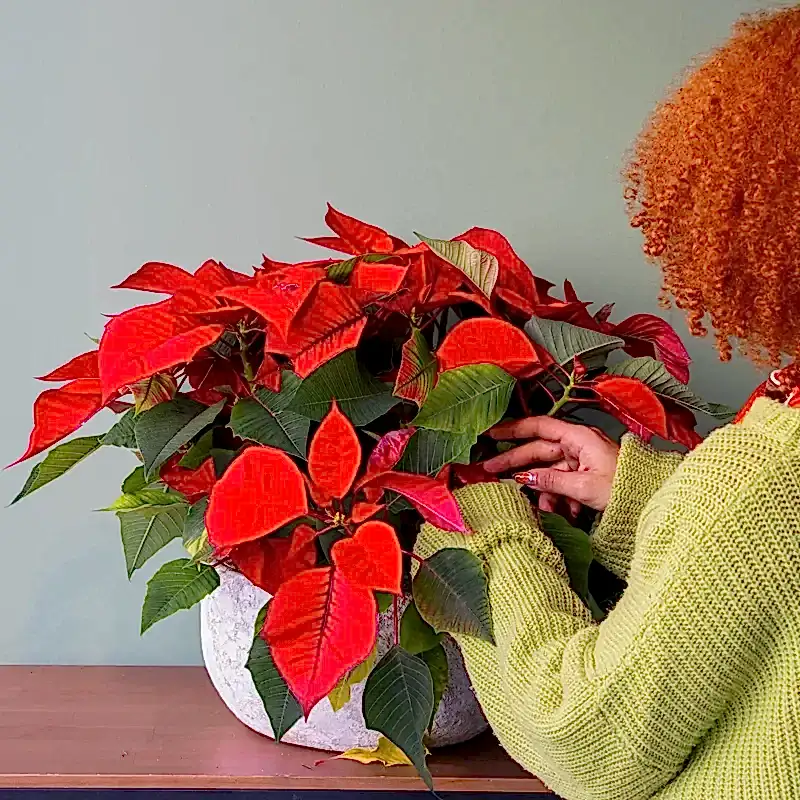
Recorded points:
386,753
340,694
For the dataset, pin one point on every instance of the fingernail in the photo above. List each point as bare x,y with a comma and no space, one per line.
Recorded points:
526,478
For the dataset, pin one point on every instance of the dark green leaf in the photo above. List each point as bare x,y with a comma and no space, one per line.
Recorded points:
222,459
480,267
177,585
428,451
416,636
576,547
58,461
163,430
436,659
656,376
280,704
564,341
398,702
199,451
146,530
135,481
360,396
121,433
326,540
266,418
450,591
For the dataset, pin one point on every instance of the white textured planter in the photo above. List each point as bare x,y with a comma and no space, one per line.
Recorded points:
227,621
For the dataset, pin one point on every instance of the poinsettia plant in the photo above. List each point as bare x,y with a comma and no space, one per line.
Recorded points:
298,423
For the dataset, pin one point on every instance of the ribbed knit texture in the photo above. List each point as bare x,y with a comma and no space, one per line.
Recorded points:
690,688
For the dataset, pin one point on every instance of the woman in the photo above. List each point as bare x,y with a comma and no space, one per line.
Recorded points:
691,687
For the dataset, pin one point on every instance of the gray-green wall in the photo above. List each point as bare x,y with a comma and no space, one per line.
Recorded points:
180,130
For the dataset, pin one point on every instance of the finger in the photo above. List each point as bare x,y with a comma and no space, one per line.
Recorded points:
554,430
548,502
572,485
535,452
574,508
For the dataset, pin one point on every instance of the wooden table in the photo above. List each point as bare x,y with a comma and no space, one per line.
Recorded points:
166,728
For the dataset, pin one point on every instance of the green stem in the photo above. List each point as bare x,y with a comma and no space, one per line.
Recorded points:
564,399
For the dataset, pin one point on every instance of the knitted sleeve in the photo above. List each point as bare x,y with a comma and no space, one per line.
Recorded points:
641,470
614,710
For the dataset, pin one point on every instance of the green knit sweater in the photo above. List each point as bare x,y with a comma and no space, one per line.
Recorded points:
690,688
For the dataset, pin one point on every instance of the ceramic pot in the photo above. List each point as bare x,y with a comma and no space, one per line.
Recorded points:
227,620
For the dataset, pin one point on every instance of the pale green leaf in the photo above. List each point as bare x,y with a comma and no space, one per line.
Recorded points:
339,696
360,396
653,373
398,702
145,531
267,418
163,430
480,267
195,535
451,593
177,585
565,341
199,451
59,460
144,498
135,481
385,753
468,399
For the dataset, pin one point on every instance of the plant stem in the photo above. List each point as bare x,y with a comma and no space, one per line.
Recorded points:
522,401
564,399
543,386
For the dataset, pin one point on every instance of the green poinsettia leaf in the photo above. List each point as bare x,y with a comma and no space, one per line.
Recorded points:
148,393
417,372
144,498
416,636
360,396
450,591
163,430
135,481
436,659
195,536
145,531
339,696
199,451
384,601
121,433
565,341
398,702
176,586
467,399
267,418
653,373
428,451
342,270
280,704
480,267
59,460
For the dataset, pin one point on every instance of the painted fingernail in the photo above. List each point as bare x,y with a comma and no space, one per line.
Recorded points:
526,478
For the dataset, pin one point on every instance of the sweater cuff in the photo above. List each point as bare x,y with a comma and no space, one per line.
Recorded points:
641,470
494,513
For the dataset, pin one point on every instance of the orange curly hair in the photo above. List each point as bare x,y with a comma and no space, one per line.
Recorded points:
713,182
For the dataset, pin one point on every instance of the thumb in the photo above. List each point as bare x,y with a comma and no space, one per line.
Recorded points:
572,485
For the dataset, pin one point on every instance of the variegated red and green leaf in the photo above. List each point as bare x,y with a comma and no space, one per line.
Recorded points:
648,335
417,372
634,404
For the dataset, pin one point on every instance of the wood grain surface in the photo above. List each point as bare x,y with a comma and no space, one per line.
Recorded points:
166,728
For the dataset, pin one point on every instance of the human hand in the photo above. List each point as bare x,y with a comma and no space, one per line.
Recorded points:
582,461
